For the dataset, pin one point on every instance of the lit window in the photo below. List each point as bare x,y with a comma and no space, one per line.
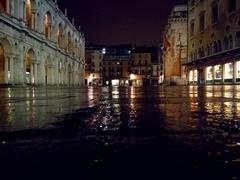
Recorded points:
238,70
209,73
218,72
228,71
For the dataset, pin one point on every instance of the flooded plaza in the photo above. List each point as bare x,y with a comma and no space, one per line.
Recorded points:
155,132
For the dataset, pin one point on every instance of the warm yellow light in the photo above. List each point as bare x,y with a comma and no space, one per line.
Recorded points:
132,76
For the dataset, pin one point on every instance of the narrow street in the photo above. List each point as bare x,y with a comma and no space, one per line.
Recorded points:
172,132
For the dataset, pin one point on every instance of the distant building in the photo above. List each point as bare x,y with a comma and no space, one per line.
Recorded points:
144,67
39,45
175,46
157,66
214,42
93,65
116,65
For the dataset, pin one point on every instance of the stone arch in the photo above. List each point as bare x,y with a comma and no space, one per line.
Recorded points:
60,35
225,43
69,41
237,39
69,71
2,64
30,66
48,70
5,62
230,39
219,46
215,47
207,50
47,25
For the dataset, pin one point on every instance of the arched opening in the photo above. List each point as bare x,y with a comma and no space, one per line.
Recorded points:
225,43
3,5
208,50
31,13
219,46
75,48
30,66
69,75
48,25
60,36
2,65
237,39
230,38
215,47
48,71
69,42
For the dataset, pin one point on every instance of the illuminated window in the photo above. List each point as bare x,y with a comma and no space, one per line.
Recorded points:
238,69
191,76
209,73
28,14
228,71
195,75
60,36
47,25
218,72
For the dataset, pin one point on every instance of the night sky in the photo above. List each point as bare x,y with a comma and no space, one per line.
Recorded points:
139,22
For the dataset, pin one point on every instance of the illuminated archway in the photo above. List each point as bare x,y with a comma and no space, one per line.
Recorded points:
48,71
47,25
60,35
30,70
69,42
31,9
237,39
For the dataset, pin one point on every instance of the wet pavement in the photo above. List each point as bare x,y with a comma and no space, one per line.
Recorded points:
120,133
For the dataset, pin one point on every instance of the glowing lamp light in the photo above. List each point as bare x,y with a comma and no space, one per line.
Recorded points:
132,76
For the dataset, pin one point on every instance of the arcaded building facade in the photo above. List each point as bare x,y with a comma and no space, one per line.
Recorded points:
39,45
214,41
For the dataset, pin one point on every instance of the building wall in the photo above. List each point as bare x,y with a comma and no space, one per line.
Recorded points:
39,45
212,38
176,51
116,69
93,70
141,68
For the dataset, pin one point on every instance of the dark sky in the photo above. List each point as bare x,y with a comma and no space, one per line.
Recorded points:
139,22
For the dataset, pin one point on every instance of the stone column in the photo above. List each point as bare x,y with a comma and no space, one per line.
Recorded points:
41,75
12,70
33,21
6,70
223,72
20,9
234,72
8,6
32,73
35,73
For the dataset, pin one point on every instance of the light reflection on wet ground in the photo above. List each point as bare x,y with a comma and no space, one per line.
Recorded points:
187,130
